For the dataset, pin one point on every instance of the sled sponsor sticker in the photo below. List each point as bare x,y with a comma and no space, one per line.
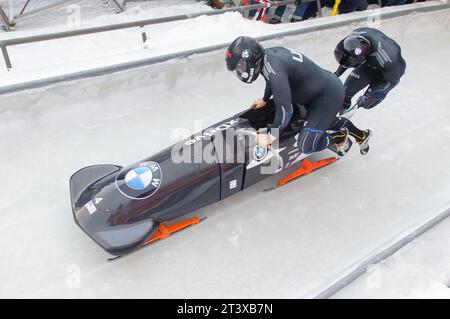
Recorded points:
246,54
208,133
259,152
262,154
140,181
90,207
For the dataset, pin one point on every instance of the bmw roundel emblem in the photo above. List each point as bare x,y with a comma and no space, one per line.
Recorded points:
139,178
246,54
139,181
259,152
358,51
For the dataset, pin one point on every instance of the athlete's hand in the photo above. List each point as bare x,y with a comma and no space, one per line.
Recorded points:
346,107
256,104
264,139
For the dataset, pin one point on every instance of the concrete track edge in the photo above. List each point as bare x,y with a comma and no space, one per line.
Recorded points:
392,249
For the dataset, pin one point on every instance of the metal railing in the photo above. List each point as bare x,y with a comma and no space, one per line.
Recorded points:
146,61
132,24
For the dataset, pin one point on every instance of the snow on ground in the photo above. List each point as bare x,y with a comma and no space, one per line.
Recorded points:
41,59
419,270
292,242
87,13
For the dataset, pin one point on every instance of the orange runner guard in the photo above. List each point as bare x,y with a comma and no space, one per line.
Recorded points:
306,168
165,231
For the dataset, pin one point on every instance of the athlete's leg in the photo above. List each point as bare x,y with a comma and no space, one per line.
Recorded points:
353,131
381,85
320,117
361,136
376,93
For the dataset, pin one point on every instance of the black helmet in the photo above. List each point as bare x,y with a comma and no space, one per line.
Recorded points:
355,51
244,57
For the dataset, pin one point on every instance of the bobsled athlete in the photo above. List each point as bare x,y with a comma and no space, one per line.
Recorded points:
292,78
378,64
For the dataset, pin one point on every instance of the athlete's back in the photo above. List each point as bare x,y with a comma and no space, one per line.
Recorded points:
385,54
305,78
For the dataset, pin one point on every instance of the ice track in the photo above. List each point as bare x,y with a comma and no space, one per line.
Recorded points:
292,242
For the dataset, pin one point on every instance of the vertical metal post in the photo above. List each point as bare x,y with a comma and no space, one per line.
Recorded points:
9,25
24,7
319,8
117,5
6,56
144,35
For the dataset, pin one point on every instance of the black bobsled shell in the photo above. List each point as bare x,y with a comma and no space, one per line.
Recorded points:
121,214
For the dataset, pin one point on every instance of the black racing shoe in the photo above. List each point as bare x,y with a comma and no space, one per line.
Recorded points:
344,144
364,144
343,150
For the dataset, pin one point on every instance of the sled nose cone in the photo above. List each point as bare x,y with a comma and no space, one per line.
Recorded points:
116,239
82,183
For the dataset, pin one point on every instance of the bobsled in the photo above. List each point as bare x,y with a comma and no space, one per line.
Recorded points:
125,208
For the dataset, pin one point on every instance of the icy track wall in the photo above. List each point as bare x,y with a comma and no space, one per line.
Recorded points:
293,242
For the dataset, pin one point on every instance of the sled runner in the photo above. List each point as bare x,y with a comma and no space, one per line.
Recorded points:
164,231
306,168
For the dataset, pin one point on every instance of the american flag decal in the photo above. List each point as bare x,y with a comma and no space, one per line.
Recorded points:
91,207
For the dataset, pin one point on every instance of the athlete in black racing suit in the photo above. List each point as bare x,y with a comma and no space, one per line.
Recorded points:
293,78
378,63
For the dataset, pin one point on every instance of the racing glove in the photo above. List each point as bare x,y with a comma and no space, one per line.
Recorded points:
362,101
347,105
371,98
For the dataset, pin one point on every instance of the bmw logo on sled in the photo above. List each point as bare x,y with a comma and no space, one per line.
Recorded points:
141,181
125,208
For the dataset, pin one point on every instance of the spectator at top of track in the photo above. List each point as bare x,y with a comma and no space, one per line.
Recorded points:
303,11
256,14
221,4
347,6
260,13
389,3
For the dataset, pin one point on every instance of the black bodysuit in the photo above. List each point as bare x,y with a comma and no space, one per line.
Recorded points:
382,69
293,79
